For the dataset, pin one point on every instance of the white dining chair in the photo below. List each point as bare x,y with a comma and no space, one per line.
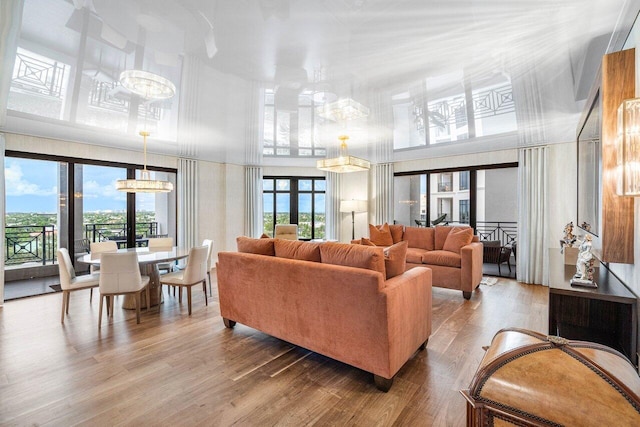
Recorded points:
286,231
194,273
161,243
95,249
209,244
70,282
120,275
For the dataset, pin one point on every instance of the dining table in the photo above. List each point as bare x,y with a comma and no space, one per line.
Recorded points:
148,259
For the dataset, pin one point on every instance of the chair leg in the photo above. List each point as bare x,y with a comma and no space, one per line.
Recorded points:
188,298
509,265
148,292
204,288
68,299
90,295
179,294
499,272
64,303
138,302
102,297
112,303
209,274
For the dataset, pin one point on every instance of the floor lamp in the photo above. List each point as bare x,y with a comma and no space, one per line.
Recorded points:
353,206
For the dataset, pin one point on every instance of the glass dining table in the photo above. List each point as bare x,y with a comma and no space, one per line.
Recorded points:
148,261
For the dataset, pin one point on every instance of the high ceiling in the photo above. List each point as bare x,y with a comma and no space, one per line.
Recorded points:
350,45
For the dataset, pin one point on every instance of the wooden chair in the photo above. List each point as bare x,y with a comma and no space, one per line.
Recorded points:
97,248
69,282
194,273
120,275
494,253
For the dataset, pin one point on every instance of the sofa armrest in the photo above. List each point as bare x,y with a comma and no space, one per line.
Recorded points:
471,266
409,314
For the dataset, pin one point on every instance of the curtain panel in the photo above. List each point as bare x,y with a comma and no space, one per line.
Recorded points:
187,203
533,215
332,225
383,193
253,203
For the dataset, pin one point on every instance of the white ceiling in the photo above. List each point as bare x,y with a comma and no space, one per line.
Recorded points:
364,44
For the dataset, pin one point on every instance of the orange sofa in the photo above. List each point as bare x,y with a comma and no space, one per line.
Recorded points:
453,253
331,298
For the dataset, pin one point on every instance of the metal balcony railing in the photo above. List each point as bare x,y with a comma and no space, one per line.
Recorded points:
33,244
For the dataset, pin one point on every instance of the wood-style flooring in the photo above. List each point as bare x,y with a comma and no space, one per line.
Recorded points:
176,370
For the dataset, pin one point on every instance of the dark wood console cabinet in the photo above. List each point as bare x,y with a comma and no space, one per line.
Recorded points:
605,315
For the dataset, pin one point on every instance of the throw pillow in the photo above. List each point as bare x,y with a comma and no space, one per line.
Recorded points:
441,233
255,246
366,242
457,238
380,236
395,259
296,249
396,232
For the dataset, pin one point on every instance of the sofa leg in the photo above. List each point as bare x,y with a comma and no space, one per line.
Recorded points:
466,295
423,345
383,384
228,323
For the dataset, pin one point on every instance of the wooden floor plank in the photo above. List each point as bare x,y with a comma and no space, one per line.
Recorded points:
190,370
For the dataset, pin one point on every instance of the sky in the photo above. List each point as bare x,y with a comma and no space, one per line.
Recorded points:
32,186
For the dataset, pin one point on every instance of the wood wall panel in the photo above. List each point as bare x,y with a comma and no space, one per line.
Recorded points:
618,83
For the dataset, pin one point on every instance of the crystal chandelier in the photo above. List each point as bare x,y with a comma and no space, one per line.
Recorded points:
145,184
343,109
344,162
149,86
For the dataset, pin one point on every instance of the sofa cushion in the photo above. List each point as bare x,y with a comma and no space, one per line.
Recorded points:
366,242
395,259
414,255
296,249
397,230
255,246
419,237
457,238
380,235
441,233
359,256
443,258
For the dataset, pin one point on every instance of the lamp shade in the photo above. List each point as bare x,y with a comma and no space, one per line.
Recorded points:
353,206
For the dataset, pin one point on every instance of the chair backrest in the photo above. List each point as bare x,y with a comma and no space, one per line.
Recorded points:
160,242
196,269
98,248
286,231
65,268
209,244
119,272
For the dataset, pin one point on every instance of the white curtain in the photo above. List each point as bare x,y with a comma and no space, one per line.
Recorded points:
384,193
187,203
533,215
10,19
253,203
332,197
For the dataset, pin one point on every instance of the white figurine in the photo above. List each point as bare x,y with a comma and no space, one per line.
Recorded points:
585,260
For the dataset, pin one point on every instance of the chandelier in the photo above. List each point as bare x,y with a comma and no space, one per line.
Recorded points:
149,86
343,109
344,162
145,184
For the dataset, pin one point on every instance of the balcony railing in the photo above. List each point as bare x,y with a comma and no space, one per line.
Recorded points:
33,244
504,231
38,243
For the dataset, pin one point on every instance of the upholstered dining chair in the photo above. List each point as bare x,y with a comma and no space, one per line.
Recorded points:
120,275
68,280
286,231
159,243
209,244
96,248
194,273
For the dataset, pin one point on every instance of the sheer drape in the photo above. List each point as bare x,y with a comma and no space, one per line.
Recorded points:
253,203
10,19
532,263
332,207
187,203
383,195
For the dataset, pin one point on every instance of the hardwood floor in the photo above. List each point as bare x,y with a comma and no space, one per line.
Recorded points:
173,369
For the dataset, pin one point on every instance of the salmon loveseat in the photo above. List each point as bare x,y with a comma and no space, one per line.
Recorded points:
453,253
308,294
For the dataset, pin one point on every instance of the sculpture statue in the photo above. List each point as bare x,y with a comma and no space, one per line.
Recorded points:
584,264
569,238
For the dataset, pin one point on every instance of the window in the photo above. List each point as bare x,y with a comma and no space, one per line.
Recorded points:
290,200
445,205
464,180
464,211
291,125
445,182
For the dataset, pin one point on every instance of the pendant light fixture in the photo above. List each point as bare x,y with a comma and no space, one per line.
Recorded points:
151,87
344,162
